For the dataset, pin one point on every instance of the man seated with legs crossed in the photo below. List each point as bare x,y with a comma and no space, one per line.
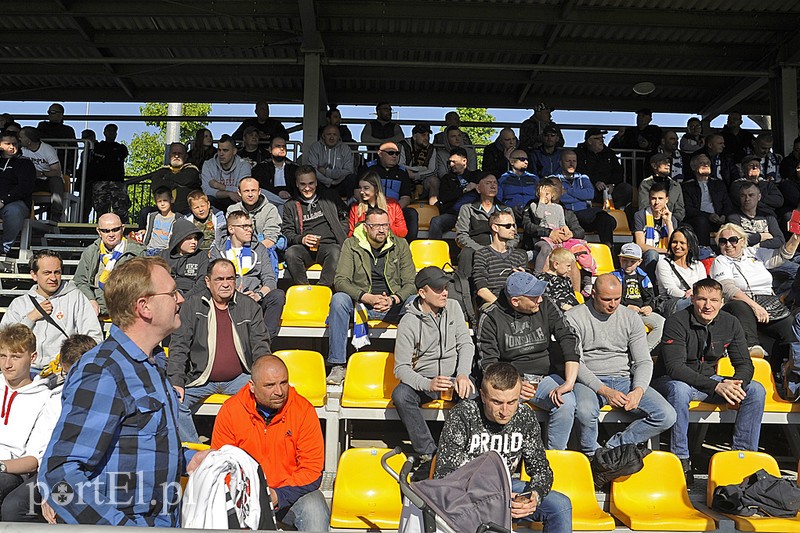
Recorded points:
495,421
694,340
222,331
279,428
432,358
615,369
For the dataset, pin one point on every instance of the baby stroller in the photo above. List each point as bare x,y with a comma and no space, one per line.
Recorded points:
473,499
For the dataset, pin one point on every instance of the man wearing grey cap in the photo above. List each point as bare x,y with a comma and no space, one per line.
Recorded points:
615,369
517,329
432,357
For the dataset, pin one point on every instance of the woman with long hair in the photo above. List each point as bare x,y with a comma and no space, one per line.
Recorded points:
202,148
678,270
370,194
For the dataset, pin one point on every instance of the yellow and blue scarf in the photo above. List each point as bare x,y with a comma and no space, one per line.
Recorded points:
658,239
108,260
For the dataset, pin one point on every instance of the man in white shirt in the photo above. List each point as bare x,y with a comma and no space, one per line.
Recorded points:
48,169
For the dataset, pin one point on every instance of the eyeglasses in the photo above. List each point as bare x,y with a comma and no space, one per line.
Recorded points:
377,226
508,225
243,226
732,240
110,230
391,152
174,293
520,158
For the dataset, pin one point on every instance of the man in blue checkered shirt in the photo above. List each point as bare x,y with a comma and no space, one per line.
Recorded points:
115,456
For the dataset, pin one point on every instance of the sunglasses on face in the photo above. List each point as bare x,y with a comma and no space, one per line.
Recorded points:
507,225
110,230
521,158
732,240
391,152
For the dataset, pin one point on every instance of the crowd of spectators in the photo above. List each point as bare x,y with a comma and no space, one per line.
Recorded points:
230,214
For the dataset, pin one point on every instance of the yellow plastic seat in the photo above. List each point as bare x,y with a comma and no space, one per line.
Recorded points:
365,496
602,256
572,476
731,468
622,222
430,253
307,306
306,374
369,381
763,374
656,499
216,399
426,212
316,267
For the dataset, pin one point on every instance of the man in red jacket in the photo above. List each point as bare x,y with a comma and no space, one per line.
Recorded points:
279,428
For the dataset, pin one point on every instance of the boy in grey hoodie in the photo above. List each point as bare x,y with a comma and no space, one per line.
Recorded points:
188,262
433,357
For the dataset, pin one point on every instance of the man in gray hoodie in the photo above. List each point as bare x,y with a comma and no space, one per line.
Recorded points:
265,216
433,357
333,162
60,309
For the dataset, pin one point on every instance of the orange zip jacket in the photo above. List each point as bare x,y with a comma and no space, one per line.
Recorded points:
289,449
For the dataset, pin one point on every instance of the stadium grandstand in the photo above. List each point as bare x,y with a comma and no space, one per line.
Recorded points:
658,263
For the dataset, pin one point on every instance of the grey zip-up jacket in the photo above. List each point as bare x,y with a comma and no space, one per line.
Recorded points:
193,346
428,346
337,162
86,272
264,215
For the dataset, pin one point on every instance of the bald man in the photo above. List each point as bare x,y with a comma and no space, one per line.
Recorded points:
615,369
497,156
279,428
99,259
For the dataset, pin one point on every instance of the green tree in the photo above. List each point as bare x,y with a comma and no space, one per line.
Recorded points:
146,149
480,135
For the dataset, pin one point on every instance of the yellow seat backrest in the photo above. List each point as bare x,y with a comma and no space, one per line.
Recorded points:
430,253
762,373
622,222
731,467
572,476
369,380
306,306
602,256
365,496
426,212
306,374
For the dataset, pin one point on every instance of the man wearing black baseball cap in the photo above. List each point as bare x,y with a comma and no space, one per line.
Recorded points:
433,357
418,155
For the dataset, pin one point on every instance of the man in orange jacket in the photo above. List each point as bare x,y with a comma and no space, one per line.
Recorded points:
279,428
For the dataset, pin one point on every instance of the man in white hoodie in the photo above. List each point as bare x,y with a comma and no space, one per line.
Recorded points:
333,162
26,431
54,309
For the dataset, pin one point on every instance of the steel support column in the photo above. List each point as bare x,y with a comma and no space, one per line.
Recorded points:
311,97
788,110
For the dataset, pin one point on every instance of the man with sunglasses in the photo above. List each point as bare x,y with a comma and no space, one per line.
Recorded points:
101,257
494,263
546,160
222,332
396,183
375,268
517,187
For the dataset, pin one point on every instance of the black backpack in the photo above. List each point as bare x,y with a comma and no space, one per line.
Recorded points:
610,463
460,291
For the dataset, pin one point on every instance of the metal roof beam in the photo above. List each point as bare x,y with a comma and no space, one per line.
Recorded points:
731,97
